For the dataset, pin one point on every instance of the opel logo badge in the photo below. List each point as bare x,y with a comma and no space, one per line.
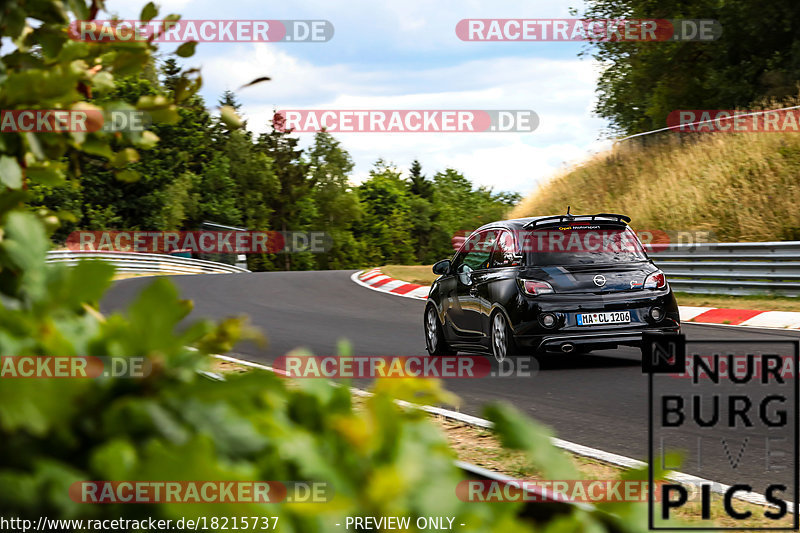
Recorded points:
599,280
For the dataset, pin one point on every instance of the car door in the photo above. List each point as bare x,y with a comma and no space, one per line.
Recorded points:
471,272
497,286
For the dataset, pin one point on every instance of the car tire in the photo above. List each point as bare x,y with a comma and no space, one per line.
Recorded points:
434,336
502,338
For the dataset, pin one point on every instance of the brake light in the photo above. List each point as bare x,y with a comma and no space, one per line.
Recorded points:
656,280
534,288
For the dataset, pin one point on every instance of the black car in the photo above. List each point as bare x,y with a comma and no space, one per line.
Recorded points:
557,284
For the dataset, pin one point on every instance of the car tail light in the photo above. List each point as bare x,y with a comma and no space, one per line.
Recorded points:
656,280
534,288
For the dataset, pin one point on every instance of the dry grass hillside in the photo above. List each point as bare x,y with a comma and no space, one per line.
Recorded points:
743,186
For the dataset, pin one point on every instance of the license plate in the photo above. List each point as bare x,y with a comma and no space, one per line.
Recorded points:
596,319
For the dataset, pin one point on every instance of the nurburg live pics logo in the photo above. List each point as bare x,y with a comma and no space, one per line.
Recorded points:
738,415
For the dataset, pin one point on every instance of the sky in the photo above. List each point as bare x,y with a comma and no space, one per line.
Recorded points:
404,54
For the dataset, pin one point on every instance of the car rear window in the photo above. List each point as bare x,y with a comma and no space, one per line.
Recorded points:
580,245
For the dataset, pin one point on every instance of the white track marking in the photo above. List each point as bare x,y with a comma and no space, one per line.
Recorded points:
578,449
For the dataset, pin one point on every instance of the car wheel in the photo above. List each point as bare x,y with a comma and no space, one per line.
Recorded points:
502,339
434,337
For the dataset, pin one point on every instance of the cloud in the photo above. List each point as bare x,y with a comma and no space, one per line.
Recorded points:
561,91
406,56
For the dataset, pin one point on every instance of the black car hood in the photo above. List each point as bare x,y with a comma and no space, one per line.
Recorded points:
601,278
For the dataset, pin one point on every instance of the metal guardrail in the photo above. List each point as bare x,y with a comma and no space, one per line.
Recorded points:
134,262
739,268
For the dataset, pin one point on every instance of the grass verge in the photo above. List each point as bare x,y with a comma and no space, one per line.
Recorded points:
741,187
420,274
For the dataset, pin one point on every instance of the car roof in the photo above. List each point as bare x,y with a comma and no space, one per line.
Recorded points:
520,223
514,223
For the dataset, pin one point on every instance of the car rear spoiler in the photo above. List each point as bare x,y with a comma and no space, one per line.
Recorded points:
557,219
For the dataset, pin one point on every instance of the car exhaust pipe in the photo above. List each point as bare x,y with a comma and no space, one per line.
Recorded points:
567,347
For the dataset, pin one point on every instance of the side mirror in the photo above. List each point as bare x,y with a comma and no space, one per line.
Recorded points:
465,274
442,267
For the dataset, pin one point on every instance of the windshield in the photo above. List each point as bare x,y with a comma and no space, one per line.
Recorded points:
579,245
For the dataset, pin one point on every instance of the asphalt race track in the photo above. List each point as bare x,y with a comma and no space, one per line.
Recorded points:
598,400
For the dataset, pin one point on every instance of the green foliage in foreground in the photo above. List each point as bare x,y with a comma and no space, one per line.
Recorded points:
378,459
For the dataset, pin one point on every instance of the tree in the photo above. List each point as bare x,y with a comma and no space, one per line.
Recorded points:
337,207
290,205
386,224
421,212
157,192
641,83
420,185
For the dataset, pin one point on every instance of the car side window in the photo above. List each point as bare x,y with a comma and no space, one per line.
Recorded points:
468,244
478,250
504,254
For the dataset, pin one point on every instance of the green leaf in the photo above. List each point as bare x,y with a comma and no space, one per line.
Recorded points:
517,432
10,172
149,12
73,50
97,146
115,459
36,405
79,8
256,81
124,157
156,313
25,242
103,82
127,175
152,101
46,173
147,140
167,115
88,281
34,145
14,21
186,49
229,117
232,433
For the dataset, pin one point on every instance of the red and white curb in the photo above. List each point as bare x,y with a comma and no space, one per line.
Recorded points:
741,317
376,280
693,482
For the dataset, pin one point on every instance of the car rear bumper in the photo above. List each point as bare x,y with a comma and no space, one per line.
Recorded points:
568,342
